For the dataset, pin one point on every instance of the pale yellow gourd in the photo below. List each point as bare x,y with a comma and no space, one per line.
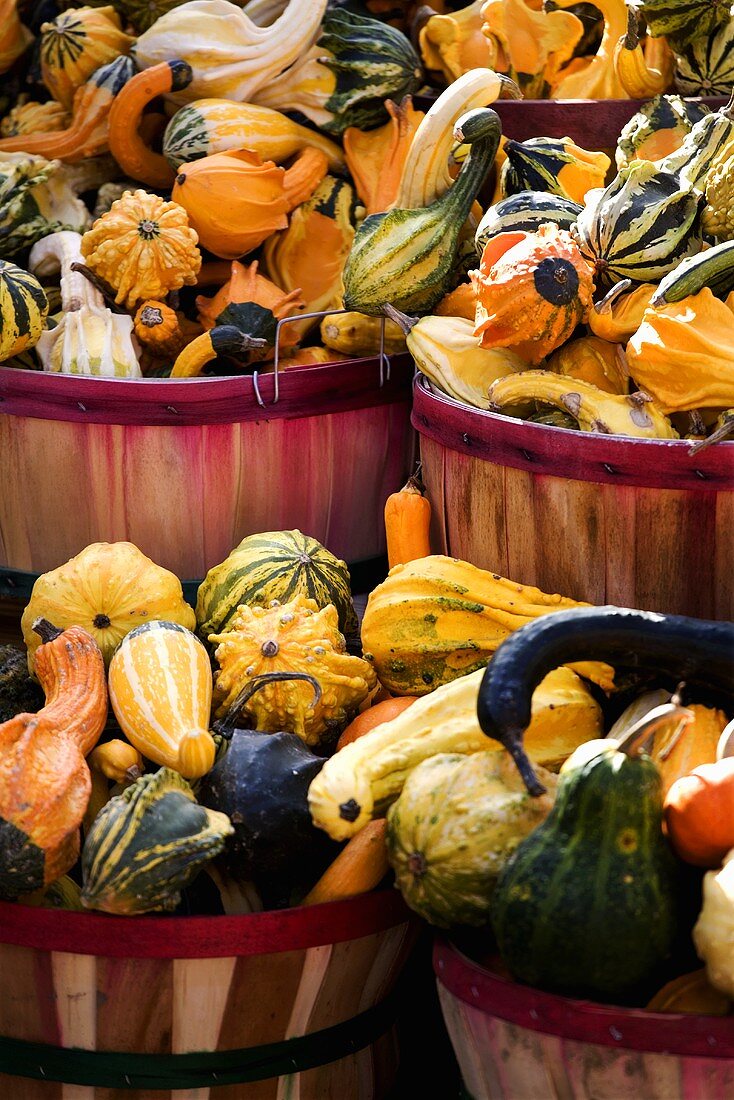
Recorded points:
599,78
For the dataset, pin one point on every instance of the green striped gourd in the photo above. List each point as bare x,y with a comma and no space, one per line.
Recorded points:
639,227
554,165
658,128
701,150
683,20
209,126
706,66
587,904
713,268
344,80
23,309
275,565
147,844
406,257
525,213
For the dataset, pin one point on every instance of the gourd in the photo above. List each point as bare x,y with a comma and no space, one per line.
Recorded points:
114,760
638,79
109,588
532,290
406,257
619,314
230,57
18,692
713,933
161,692
425,175
229,340
209,126
14,37
126,143
525,213
454,827
690,994
637,415
159,330
44,780
309,255
448,353
375,158
717,217
590,359
363,779
147,844
274,565
89,338
295,636
694,746
23,310
699,813
640,226
407,524
598,79
713,268
598,860
87,134
674,647
658,129
374,716
31,117
437,618
75,44
354,334
553,165
706,65
459,302
36,199
702,148
234,201
452,43
344,79
143,247
62,894
683,353
360,867
685,22
255,305
537,44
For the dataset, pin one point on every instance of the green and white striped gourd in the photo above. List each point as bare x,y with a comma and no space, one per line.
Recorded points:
147,844
706,65
702,148
23,310
525,213
344,80
640,226
275,565
683,20
658,127
713,268
406,257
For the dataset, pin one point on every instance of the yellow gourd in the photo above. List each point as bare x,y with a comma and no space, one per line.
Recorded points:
75,44
619,315
454,43
639,78
355,334
598,79
591,359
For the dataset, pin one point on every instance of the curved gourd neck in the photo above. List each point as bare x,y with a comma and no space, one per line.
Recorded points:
459,198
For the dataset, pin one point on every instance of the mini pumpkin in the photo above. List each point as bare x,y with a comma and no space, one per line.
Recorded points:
75,44
532,290
158,329
296,637
143,247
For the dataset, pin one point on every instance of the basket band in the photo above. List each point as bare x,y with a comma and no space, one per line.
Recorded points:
121,1070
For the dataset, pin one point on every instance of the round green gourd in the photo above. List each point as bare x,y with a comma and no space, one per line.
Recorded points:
275,565
148,843
587,904
453,828
525,213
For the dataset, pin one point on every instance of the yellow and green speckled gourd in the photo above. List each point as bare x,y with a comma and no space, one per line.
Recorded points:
147,844
296,637
161,690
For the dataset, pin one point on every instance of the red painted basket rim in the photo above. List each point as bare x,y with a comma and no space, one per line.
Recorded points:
309,390
581,1021
562,452
165,937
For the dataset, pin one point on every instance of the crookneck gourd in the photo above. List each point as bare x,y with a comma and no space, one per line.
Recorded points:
365,777
637,76
295,636
23,310
532,290
143,247
75,44
126,143
109,588
406,257
274,565
161,691
44,780
147,844
438,618
553,165
354,334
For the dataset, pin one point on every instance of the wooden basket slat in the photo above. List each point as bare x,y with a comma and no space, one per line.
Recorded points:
137,1016
276,978
27,1004
20,1089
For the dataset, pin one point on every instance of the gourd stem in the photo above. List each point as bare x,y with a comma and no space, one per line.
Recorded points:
723,432
254,685
605,305
99,285
402,320
509,88
634,740
45,630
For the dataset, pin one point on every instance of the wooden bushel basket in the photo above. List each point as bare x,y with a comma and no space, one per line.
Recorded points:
295,1004
516,1043
607,519
186,468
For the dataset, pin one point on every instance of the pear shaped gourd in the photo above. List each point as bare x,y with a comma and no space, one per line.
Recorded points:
406,257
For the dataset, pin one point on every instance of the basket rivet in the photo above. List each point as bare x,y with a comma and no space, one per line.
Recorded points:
615,1033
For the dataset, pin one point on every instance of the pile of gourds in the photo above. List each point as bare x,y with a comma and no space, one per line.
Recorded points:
183,186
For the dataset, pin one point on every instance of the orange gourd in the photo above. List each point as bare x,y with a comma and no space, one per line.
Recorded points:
407,524
699,814
127,146
360,866
376,158
246,284
373,717
679,752
461,302
44,780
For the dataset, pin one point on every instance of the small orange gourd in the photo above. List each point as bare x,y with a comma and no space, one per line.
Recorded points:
360,866
373,717
44,780
407,524
158,329
699,814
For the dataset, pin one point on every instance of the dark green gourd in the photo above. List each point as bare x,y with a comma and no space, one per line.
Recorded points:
18,693
407,257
